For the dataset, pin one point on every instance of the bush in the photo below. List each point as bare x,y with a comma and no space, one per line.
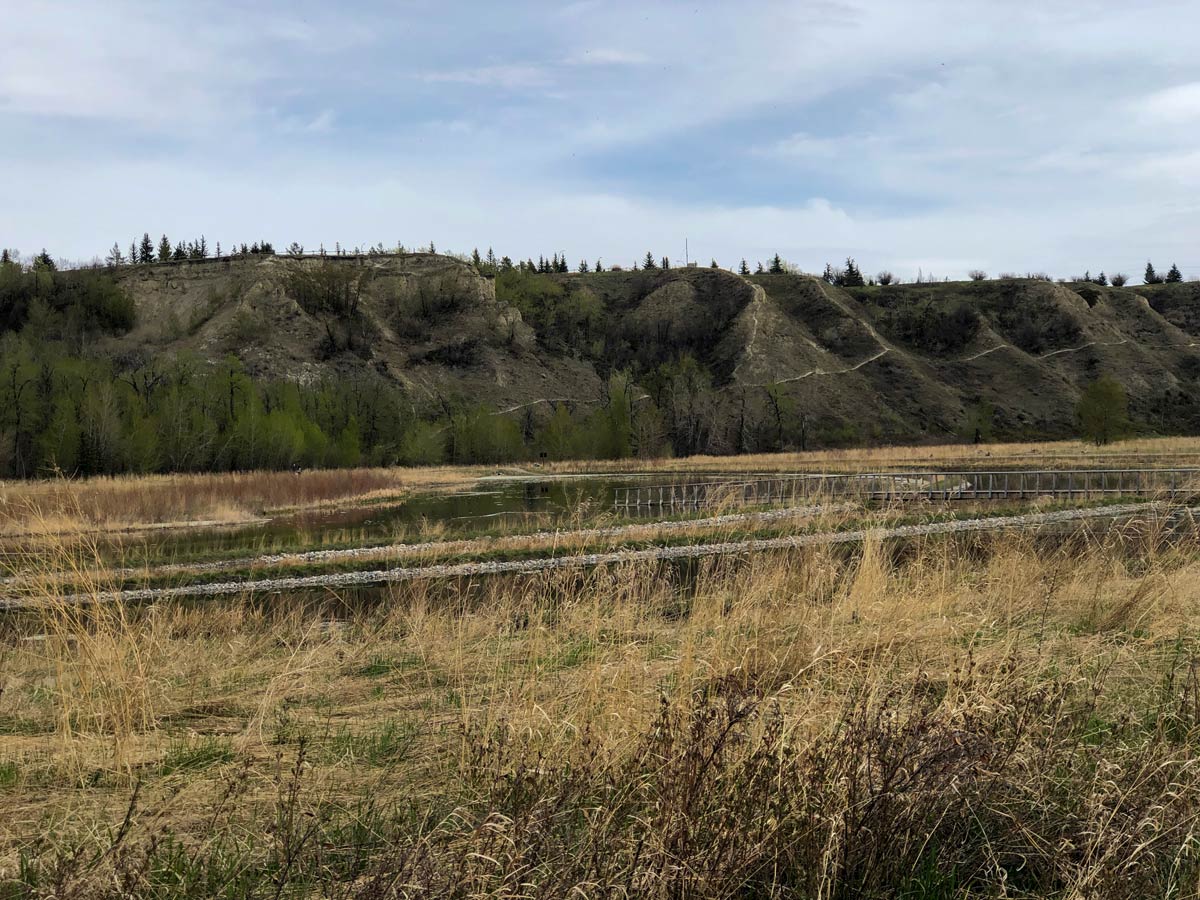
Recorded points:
885,277
977,275
933,329
1119,279
460,353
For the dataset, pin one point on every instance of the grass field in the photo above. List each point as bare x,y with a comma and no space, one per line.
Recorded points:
961,716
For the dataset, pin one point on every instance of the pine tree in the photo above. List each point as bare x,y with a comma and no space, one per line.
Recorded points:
43,261
180,252
164,249
830,276
583,267
648,262
476,259
491,258
758,270
1102,279
202,248
115,257
851,277
1151,277
743,269
1174,276
505,264
599,267
714,265
219,249
666,263
5,257
146,250
133,255
776,265
562,263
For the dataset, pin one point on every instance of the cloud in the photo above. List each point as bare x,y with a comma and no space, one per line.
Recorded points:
932,133
508,77
321,123
607,56
1180,103
801,147
1182,168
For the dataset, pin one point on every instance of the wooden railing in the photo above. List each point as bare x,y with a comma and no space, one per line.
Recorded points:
913,485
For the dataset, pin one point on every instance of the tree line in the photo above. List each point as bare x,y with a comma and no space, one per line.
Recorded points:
145,251
148,251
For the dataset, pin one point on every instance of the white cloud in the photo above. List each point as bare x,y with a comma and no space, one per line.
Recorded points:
1177,104
801,147
1182,167
1009,136
607,56
509,77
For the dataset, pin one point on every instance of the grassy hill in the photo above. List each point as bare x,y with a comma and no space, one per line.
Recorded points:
274,360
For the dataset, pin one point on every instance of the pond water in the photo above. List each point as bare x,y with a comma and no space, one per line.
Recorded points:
489,506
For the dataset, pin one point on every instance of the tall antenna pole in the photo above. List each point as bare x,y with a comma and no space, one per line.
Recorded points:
686,260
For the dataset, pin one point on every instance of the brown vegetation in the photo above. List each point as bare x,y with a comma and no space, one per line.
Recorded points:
68,505
969,716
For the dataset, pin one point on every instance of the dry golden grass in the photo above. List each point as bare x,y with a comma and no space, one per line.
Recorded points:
386,697
1183,451
139,501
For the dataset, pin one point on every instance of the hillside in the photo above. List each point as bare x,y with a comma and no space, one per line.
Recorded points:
419,358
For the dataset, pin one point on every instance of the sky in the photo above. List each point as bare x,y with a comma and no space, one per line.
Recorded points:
917,136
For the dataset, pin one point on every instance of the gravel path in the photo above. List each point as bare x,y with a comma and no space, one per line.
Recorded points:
470,569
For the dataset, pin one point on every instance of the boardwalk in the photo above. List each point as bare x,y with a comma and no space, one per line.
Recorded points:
914,485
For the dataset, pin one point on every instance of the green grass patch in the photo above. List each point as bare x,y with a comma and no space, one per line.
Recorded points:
192,756
387,744
379,666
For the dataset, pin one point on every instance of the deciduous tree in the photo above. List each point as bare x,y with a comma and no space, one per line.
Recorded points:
1103,411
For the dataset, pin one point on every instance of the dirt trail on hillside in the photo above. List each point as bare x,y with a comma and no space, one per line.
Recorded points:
756,307
1007,346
